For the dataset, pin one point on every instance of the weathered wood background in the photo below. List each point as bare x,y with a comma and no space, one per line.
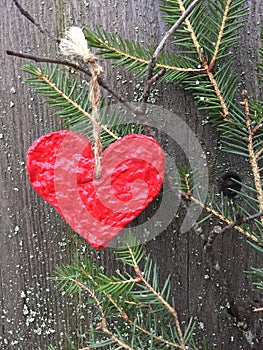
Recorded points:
34,238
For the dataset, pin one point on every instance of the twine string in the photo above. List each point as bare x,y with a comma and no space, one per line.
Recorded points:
94,98
75,45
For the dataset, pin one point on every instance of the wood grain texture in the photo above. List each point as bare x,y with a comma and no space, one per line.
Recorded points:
34,238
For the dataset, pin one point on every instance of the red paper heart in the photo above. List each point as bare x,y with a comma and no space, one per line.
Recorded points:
61,170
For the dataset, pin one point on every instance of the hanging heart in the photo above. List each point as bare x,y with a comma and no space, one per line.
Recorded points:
61,170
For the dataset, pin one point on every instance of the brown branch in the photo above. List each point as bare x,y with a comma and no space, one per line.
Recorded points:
252,155
210,239
240,221
76,66
172,30
150,80
153,61
32,20
102,82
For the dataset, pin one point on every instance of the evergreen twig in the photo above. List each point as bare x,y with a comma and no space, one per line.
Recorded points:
164,302
208,66
252,155
220,217
103,324
73,103
220,35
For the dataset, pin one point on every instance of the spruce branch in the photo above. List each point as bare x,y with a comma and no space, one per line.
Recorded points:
221,217
208,66
128,53
97,287
159,297
252,155
220,34
103,324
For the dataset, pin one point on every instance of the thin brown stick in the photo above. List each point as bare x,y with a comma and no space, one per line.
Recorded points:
217,230
150,80
210,239
240,221
252,155
172,30
32,20
75,66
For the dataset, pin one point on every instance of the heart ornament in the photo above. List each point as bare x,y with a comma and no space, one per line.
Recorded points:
61,170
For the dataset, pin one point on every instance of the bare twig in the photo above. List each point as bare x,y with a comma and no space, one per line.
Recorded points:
76,66
150,80
152,63
32,20
102,82
172,30
259,309
211,237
